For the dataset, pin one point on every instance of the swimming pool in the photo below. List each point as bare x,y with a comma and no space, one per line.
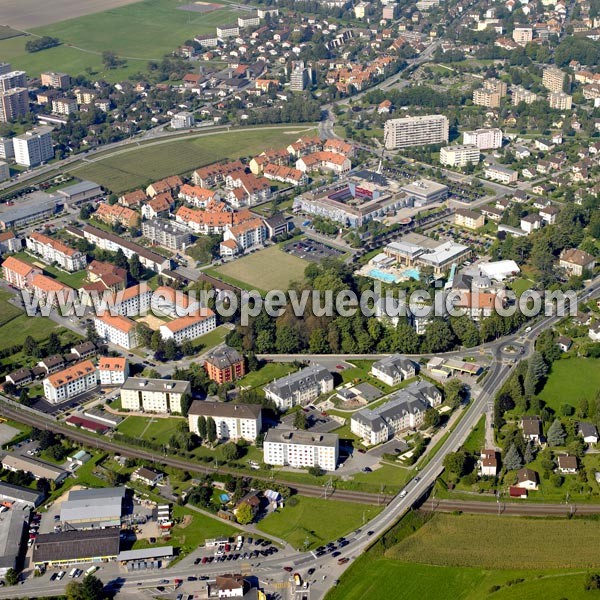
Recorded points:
412,273
382,276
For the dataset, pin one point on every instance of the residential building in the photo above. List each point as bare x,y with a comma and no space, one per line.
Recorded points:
463,217
117,330
12,80
84,350
248,19
14,103
147,476
404,410
33,147
53,251
501,174
331,161
55,80
85,95
20,377
51,291
415,131
532,429
133,199
116,214
7,149
576,261
189,327
113,370
522,35
560,100
553,79
168,234
225,364
234,421
141,394
4,171
484,139
198,196
167,185
247,234
229,30
527,479
19,273
588,432
520,94
70,382
393,369
488,463
64,106
531,222
567,464
209,40
459,156
486,97
9,242
301,387
301,449
284,174
183,120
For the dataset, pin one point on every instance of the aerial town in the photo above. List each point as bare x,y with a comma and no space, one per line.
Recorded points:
300,299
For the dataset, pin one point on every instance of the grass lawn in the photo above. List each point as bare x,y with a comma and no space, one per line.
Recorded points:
74,280
138,32
213,338
267,373
8,311
316,520
269,269
571,380
562,543
140,165
157,430
521,285
476,440
15,331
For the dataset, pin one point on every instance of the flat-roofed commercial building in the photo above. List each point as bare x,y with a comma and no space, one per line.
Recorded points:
233,421
76,547
70,382
459,156
154,395
34,207
301,449
415,131
94,508
37,468
424,191
12,536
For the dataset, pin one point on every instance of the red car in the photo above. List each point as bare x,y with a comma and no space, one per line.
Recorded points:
340,367
227,547
204,560
288,569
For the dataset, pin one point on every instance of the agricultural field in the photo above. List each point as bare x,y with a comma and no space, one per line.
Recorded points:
315,520
562,543
565,383
138,33
269,269
475,567
141,165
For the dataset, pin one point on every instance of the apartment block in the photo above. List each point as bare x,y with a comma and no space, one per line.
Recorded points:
14,103
113,370
459,156
54,251
233,421
301,449
299,77
560,100
520,94
522,35
64,106
300,388
484,139
468,218
12,80
225,364
190,327
415,131
501,174
34,146
167,234
553,79
19,273
55,80
70,382
154,395
117,330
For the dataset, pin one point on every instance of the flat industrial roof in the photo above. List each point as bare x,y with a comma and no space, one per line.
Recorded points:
145,553
78,188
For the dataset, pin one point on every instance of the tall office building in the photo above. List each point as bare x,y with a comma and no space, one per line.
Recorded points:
415,131
13,79
14,103
33,147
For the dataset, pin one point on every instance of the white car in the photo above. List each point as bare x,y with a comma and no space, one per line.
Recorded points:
402,493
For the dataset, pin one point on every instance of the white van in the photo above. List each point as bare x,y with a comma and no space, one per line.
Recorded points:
91,570
72,572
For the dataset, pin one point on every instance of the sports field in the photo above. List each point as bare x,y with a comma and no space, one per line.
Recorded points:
571,380
138,32
152,429
269,269
138,166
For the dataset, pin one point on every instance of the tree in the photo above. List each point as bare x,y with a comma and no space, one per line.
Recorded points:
31,347
120,259
230,451
74,591
93,588
529,454
456,392
438,336
244,514
536,371
11,577
186,401
316,471
136,270
53,345
187,348
202,429
211,430
512,459
171,349
556,434
300,420
456,462
431,418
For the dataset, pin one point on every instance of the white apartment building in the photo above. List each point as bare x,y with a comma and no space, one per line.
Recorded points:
64,106
560,100
484,139
393,369
459,156
233,421
70,382
113,371
247,234
553,79
154,395
117,330
301,449
415,131
133,301
55,251
300,388
33,147
501,174
191,327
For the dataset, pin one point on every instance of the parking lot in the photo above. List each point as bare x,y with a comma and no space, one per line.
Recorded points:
311,250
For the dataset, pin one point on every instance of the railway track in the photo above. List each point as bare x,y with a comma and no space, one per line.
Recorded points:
511,508
77,435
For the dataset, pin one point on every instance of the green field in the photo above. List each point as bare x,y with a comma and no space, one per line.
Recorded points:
209,340
267,373
146,428
269,269
138,32
571,380
315,520
140,165
475,559
74,280
561,543
8,311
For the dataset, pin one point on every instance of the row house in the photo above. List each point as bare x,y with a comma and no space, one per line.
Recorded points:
196,195
116,215
168,185
285,174
133,199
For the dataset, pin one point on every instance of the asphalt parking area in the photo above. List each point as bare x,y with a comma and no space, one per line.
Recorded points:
311,250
